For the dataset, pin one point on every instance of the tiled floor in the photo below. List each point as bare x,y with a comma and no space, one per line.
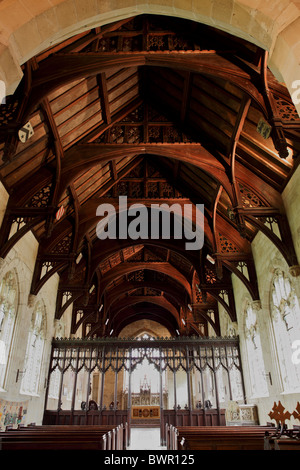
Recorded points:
145,439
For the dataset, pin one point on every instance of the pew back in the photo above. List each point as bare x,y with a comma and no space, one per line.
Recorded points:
217,437
64,438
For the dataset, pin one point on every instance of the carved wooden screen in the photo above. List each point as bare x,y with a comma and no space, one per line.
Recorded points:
194,373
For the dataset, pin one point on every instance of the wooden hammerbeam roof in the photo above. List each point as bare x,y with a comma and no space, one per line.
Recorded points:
157,109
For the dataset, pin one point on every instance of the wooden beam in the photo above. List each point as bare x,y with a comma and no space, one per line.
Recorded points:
102,84
186,96
84,156
135,300
57,149
58,70
237,130
273,117
113,169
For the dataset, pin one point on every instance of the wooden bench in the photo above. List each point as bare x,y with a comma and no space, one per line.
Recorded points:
286,444
122,432
55,439
288,440
107,432
217,437
64,438
117,436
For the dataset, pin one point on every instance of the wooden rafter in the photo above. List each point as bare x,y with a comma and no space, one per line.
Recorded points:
106,104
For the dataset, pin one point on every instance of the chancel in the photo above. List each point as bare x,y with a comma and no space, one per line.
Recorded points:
168,106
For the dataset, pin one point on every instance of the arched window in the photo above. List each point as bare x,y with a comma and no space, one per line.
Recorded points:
145,368
34,351
55,376
8,311
285,314
259,387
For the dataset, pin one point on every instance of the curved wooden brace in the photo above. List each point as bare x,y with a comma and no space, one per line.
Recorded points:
89,219
287,250
232,314
277,133
250,286
195,329
135,300
238,127
80,321
163,317
84,156
91,269
209,320
36,285
61,230
8,245
76,206
58,70
163,267
23,190
58,151
132,286
103,249
60,310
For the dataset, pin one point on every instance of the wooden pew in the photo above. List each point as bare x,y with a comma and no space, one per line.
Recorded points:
50,442
121,431
217,437
286,444
63,438
55,439
288,440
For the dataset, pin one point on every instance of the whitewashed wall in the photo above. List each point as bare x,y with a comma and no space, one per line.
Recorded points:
267,258
21,259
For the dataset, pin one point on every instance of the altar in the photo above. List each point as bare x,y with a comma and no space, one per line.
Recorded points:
145,412
145,398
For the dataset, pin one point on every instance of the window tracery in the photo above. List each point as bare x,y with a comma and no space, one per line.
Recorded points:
259,385
34,351
285,315
8,311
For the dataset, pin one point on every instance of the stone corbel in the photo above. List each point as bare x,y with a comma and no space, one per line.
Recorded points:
294,270
31,300
279,139
256,305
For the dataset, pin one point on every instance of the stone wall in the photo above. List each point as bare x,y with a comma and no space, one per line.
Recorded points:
149,327
291,197
267,258
21,260
27,28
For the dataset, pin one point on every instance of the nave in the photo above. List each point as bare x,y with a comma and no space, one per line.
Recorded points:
151,109
145,438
